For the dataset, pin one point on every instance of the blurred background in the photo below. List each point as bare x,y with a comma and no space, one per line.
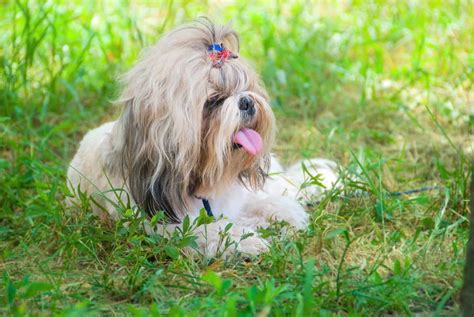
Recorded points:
359,71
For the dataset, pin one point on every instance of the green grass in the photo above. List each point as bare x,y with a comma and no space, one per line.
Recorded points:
384,88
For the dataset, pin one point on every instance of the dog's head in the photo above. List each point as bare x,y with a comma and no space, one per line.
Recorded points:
196,119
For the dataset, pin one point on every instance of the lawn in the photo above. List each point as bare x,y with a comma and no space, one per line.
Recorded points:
385,88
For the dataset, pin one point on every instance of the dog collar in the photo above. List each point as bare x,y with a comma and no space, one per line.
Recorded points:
207,207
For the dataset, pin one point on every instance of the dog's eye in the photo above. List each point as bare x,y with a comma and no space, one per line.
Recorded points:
214,102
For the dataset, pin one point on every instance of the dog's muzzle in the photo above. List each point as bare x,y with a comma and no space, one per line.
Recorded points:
247,106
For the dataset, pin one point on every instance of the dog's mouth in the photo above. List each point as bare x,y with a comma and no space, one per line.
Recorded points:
248,139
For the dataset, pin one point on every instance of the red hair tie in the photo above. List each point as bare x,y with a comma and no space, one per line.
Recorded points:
219,54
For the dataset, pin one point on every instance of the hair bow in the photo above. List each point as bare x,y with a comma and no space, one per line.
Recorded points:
219,54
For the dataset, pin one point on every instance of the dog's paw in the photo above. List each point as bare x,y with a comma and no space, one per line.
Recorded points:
219,241
293,213
275,208
253,245
299,219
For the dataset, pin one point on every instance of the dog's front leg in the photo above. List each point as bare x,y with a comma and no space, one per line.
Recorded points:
222,238
261,210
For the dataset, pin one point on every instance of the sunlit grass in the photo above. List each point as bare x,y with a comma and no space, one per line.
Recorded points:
384,88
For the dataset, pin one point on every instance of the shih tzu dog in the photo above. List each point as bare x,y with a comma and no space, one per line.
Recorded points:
195,132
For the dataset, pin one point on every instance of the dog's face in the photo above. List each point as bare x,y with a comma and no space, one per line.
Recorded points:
236,134
192,125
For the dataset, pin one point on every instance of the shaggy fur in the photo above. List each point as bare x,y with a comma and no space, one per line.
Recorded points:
172,144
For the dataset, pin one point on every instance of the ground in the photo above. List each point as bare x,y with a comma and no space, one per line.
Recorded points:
384,88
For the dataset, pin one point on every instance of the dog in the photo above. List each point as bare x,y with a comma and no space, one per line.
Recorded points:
195,132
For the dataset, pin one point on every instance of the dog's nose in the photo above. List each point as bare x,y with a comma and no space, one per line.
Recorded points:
246,105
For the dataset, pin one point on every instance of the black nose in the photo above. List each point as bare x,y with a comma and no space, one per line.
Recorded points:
246,105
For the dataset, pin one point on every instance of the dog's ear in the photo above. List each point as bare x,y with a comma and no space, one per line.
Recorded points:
148,161
160,127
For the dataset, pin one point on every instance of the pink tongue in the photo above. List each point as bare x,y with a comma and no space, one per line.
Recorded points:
250,140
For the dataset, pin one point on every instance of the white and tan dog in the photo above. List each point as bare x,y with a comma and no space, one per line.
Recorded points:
196,128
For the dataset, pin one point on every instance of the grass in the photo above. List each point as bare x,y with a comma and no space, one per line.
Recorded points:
384,88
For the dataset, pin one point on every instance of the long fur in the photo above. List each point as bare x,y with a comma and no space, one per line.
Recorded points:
165,154
173,145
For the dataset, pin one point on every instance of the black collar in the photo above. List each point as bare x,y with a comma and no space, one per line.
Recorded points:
207,206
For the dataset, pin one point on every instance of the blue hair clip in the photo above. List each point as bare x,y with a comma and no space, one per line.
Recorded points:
215,47
219,54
